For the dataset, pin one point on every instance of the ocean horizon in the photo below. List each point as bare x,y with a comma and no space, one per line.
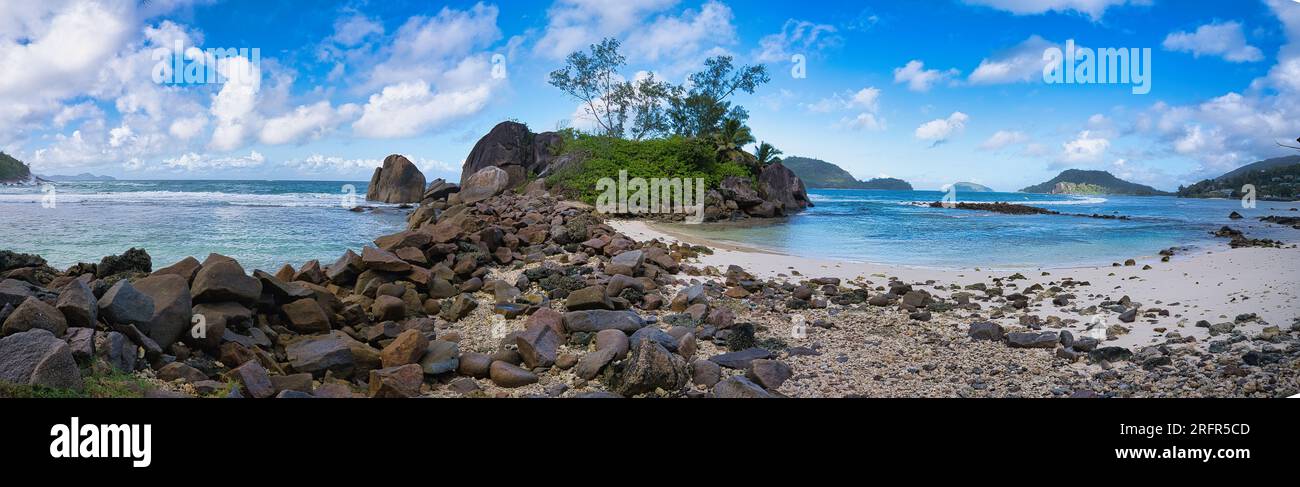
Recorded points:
271,223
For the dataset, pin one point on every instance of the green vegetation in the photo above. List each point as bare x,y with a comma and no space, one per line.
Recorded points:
12,169
670,157
1078,181
654,129
1274,179
105,385
965,187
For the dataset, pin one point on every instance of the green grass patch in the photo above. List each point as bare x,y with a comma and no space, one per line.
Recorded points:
109,385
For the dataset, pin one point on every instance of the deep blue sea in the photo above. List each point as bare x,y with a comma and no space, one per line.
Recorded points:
265,224
888,227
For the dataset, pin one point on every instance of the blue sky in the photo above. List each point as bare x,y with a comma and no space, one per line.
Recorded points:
932,91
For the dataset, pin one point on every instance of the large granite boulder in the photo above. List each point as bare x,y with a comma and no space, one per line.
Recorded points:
509,146
779,184
172,307
37,357
398,181
484,184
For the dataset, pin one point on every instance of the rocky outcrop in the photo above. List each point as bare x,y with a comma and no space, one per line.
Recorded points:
781,186
398,181
514,149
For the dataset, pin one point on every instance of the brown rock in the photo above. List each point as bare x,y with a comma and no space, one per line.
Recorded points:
396,382
407,348
510,376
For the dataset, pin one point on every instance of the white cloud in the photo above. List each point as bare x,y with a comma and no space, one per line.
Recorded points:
307,121
195,162
940,130
431,48
1092,8
1215,39
864,121
353,29
572,25
318,164
408,109
865,99
681,36
796,37
1004,138
189,127
920,79
1087,147
1021,63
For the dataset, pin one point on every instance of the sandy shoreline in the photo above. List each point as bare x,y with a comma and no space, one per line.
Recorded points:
1212,285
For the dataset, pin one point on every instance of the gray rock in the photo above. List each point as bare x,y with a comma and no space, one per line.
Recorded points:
648,367
985,331
705,373
596,320
1033,340
173,309
737,387
124,304
224,280
484,184
440,357
769,373
654,334
37,357
35,314
590,365
78,305
397,181
742,359
614,340
315,355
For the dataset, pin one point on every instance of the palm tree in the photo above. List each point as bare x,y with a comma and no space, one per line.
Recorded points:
767,154
732,137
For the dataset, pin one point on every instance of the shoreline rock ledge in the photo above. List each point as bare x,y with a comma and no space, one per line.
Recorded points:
398,181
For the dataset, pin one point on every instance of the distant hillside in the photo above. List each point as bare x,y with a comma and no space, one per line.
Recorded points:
1078,181
817,173
1274,179
12,170
892,184
964,187
85,176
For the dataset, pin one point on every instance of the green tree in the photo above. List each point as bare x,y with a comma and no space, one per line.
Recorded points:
593,80
704,108
648,99
767,154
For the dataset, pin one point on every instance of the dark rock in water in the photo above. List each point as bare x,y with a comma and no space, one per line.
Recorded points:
1235,216
510,376
737,387
397,181
484,184
596,320
37,357
1033,340
315,355
442,356
34,314
133,260
124,304
648,367
78,305
396,382
778,184
740,360
225,280
172,307
253,379
1110,354
769,373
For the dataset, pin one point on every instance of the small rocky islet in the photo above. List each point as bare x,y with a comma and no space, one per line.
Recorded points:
499,289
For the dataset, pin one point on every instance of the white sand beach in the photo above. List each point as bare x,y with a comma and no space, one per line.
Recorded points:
1212,285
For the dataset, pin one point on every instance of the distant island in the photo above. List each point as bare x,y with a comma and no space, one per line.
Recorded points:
1084,182
817,173
966,187
1274,179
85,176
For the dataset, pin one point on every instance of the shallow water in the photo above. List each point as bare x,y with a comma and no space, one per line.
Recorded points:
263,224
889,227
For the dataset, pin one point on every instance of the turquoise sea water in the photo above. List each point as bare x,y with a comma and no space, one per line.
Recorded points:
887,227
263,224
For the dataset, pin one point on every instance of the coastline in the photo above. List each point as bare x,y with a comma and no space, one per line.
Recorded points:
1212,285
